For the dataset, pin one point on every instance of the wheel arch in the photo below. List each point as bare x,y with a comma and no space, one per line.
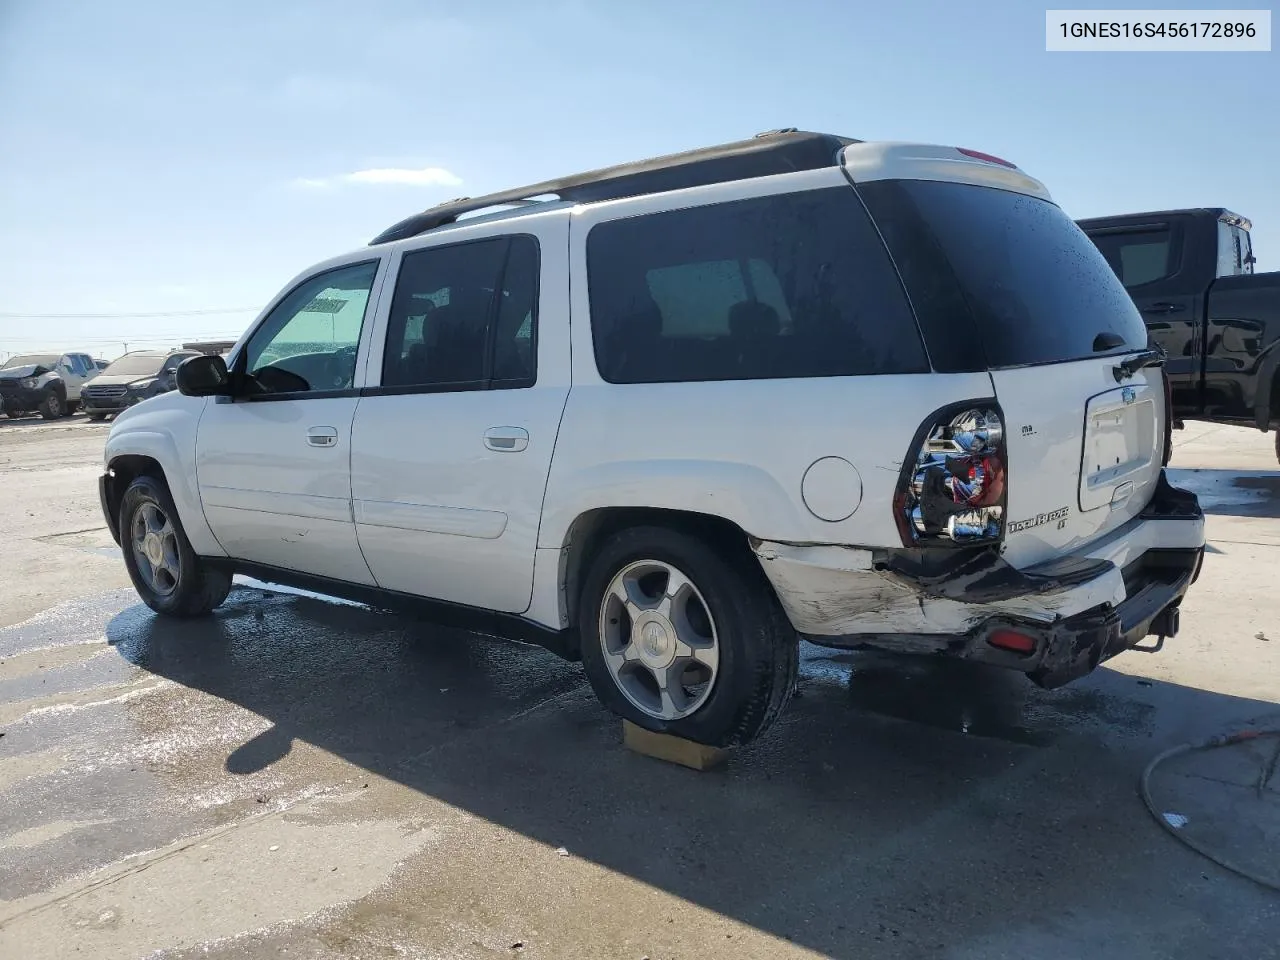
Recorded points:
121,472
756,666
53,387
592,528
1266,408
138,453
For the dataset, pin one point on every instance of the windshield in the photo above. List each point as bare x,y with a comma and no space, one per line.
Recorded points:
1034,287
138,366
30,360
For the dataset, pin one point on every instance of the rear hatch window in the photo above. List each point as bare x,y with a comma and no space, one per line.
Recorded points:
1008,283
1000,279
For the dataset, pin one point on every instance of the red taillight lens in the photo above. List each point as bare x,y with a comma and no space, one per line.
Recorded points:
1013,641
953,491
979,155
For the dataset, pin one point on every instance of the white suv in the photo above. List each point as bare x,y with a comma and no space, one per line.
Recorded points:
693,409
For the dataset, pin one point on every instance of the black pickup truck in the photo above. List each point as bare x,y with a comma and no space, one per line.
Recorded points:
1190,272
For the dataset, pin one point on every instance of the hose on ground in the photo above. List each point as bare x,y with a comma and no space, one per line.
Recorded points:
1224,740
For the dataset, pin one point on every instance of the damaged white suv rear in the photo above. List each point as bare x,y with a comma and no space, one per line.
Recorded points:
686,412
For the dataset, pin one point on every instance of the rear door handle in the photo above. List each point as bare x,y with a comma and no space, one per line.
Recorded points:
322,436
506,439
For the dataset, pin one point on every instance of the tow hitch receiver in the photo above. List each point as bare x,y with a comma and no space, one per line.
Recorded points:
1163,627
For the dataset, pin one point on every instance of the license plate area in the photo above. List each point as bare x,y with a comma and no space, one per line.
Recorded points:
1119,445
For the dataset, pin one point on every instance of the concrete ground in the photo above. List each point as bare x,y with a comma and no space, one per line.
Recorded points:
301,778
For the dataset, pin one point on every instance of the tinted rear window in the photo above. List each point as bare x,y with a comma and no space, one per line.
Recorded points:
1137,257
796,285
1013,272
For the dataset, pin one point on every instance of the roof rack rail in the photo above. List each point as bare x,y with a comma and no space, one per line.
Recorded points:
776,151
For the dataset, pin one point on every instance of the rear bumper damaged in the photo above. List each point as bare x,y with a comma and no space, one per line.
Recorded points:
1068,615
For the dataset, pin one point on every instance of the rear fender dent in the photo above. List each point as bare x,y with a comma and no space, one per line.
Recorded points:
836,591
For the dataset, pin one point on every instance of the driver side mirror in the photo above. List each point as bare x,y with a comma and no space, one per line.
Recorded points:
203,377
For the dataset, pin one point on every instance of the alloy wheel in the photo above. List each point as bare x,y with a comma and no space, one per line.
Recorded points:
155,549
659,641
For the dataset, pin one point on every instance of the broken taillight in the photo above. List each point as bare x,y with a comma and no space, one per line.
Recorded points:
953,489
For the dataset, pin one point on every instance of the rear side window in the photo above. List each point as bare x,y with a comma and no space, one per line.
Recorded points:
1012,271
464,317
795,285
1138,257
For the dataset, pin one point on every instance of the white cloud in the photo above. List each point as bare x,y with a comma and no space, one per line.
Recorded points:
396,176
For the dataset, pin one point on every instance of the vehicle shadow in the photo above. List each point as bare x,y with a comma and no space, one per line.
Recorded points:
1232,493
900,807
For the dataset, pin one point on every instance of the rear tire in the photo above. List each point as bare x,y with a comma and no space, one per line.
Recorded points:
164,568
53,407
723,620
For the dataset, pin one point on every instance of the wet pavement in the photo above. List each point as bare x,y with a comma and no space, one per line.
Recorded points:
310,779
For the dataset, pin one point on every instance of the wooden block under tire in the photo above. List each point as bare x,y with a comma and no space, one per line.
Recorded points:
663,746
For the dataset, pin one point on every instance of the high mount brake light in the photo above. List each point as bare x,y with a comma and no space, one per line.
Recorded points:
988,158
954,492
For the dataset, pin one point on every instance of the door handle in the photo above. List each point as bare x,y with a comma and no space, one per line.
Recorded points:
322,436
506,439
1165,308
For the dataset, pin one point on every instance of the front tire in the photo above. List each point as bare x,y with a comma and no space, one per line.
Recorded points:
164,568
53,407
680,638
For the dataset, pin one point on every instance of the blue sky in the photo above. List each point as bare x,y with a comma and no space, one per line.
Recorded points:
163,157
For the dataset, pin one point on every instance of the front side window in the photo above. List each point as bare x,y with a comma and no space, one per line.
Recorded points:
309,342
794,285
464,317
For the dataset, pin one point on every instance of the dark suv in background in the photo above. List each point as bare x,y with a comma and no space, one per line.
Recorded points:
132,379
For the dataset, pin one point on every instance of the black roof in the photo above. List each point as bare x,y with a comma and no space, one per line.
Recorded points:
1154,216
778,151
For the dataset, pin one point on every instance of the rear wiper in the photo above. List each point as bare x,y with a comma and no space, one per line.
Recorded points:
1127,367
